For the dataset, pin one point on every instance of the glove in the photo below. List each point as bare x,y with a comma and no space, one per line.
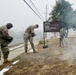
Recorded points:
9,40
33,34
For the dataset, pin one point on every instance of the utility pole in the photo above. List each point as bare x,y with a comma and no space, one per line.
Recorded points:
45,34
46,12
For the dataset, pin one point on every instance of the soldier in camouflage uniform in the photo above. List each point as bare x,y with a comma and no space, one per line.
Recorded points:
62,35
5,39
28,35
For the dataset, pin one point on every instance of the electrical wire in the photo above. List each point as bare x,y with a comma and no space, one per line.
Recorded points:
33,10
36,8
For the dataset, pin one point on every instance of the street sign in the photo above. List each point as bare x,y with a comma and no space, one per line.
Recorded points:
51,26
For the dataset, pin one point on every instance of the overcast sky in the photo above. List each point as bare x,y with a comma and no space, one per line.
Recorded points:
21,16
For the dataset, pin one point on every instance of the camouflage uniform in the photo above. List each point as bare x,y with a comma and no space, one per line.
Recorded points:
27,36
3,44
62,35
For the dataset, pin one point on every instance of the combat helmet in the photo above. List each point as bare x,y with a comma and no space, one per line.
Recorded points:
9,25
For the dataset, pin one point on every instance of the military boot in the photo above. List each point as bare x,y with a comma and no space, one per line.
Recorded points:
34,51
33,48
6,61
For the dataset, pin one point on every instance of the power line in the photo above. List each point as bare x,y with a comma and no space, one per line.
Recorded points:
36,9
40,6
33,10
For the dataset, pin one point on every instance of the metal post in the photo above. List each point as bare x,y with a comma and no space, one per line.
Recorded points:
44,43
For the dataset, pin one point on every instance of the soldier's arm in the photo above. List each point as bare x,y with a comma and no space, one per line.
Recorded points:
32,32
5,33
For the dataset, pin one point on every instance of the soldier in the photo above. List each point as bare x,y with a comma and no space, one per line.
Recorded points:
28,35
62,35
5,39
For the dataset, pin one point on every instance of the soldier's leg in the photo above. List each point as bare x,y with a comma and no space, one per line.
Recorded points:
61,40
32,44
5,51
26,44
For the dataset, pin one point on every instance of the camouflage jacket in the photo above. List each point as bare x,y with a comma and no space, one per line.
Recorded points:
4,31
30,29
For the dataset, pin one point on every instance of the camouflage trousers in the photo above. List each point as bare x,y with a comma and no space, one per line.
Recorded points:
4,49
30,39
61,40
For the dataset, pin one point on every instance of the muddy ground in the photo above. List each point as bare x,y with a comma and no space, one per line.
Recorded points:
54,60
